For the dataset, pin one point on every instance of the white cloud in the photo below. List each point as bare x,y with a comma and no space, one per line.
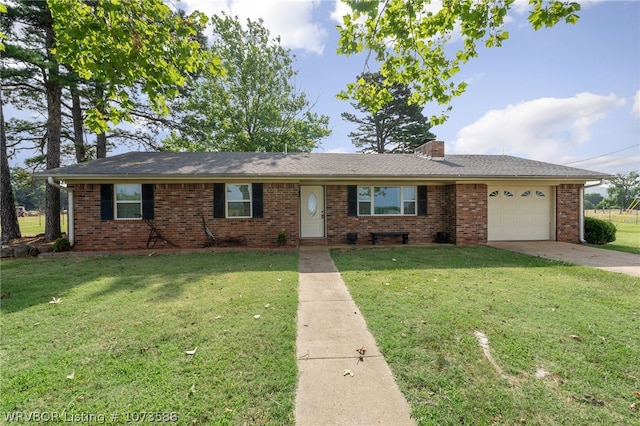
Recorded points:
635,109
542,129
292,20
340,9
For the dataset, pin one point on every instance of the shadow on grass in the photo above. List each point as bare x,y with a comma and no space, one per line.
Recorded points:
30,282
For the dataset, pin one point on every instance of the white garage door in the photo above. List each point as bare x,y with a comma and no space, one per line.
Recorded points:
519,213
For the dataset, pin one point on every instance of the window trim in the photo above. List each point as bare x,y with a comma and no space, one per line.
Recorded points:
228,200
371,201
116,202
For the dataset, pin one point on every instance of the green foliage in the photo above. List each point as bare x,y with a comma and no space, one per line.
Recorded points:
61,244
3,36
282,238
623,189
399,126
253,106
598,231
28,192
119,44
594,198
408,40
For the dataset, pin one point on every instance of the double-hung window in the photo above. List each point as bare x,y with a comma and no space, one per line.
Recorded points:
238,200
386,200
128,201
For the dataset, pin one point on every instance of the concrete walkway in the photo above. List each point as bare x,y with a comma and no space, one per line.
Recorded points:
609,260
335,387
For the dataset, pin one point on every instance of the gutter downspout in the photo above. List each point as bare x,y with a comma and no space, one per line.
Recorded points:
70,207
581,237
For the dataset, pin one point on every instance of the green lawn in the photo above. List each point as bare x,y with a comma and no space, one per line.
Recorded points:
576,325
122,328
116,341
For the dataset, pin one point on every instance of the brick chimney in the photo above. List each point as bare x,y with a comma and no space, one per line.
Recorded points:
434,150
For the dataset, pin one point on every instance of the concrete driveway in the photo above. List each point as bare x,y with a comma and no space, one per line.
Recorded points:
615,261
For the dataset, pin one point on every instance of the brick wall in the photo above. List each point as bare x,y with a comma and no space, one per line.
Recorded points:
568,213
177,214
470,212
422,229
460,210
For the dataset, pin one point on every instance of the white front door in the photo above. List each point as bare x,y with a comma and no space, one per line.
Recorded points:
312,211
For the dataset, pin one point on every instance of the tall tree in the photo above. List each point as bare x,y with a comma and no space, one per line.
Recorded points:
408,39
8,216
254,105
117,45
397,127
112,46
624,188
30,60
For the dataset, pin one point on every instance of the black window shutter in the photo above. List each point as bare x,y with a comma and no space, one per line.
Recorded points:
218,199
256,191
106,201
422,201
352,200
147,200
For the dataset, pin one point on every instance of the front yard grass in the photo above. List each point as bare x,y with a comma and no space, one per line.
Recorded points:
575,327
116,341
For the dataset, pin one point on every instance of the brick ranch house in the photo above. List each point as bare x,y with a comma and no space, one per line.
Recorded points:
319,198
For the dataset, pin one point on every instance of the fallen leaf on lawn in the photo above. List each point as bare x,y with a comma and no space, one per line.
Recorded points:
55,300
394,260
219,316
72,375
193,352
256,316
347,373
387,283
227,410
634,406
636,394
575,337
279,279
266,306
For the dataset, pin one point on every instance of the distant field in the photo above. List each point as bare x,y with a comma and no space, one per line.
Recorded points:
615,217
31,226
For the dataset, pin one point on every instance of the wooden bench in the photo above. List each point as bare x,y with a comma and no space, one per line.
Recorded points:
376,235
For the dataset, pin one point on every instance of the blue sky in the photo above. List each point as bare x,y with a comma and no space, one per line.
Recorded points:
562,95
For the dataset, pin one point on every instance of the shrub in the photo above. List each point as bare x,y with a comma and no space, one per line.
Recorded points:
282,238
61,244
598,231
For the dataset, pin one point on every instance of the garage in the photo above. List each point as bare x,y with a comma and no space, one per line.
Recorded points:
520,213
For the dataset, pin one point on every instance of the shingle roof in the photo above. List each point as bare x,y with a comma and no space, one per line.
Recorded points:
309,165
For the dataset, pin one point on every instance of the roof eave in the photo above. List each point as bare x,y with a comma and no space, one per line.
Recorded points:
103,178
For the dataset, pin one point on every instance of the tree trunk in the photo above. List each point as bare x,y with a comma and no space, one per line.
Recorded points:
101,145
101,138
78,126
54,127
8,217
